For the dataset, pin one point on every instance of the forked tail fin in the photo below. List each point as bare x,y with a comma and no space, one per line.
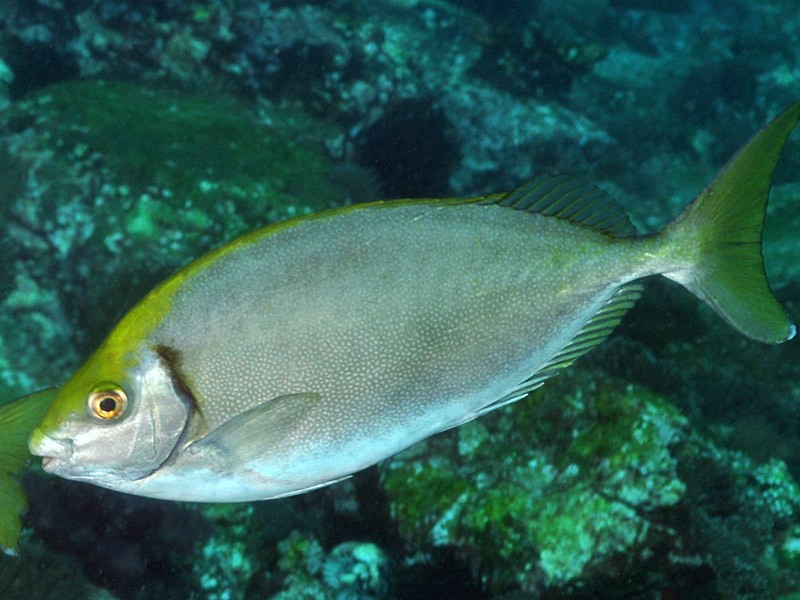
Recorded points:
719,235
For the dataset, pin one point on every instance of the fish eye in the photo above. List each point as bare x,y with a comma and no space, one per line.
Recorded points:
107,402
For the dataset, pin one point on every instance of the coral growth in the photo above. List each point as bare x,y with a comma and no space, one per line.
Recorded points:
134,136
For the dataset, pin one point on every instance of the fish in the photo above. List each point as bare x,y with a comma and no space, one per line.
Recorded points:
306,351
17,420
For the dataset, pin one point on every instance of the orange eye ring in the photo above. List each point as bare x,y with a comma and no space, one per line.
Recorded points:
107,402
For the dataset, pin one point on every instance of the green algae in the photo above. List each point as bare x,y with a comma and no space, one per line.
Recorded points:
301,560
592,477
184,143
553,509
433,491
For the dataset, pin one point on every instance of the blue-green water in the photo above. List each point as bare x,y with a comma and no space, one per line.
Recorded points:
135,136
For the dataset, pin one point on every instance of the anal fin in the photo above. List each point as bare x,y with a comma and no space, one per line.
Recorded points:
592,334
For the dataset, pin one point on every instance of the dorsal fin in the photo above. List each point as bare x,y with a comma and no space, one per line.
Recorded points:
593,333
571,199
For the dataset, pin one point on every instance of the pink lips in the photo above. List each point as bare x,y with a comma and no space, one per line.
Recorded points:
49,463
54,452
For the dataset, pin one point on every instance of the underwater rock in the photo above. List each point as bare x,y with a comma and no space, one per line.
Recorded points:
359,183
744,515
108,187
38,573
296,48
6,77
534,61
112,182
550,494
687,355
672,6
35,339
300,563
227,561
338,60
90,220
134,547
36,45
518,140
296,547
391,147
350,571
591,484
781,250
357,571
56,41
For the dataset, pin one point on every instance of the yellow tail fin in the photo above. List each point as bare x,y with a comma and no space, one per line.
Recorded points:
720,232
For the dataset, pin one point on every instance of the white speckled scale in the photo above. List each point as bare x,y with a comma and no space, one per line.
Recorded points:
403,320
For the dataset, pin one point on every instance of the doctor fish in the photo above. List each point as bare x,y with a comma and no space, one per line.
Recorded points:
305,351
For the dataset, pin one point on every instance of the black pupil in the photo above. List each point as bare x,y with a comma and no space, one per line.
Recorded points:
108,404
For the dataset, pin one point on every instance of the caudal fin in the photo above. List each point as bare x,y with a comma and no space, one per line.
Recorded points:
17,421
719,235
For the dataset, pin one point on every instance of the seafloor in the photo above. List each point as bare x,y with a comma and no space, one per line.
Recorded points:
136,135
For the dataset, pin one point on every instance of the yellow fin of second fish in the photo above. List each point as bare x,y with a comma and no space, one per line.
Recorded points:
17,421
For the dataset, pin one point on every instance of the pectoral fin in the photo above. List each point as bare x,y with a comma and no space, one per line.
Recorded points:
256,432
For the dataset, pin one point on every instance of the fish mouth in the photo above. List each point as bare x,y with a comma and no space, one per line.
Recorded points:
50,463
53,452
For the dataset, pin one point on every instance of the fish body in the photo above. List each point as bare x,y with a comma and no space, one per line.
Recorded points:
375,328
306,351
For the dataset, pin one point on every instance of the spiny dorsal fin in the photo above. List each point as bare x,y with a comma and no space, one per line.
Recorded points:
594,333
571,199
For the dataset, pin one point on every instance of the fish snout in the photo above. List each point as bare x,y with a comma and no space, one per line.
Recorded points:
53,452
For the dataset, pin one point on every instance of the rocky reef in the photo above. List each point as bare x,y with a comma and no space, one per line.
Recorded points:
135,136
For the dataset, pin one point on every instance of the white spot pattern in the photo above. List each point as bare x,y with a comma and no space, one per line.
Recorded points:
404,319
